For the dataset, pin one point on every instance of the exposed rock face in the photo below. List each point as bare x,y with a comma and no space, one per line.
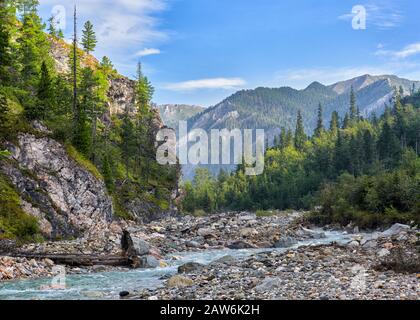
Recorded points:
67,199
121,95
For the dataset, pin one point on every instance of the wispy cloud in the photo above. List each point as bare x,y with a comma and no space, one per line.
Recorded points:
380,16
214,83
148,52
123,27
407,51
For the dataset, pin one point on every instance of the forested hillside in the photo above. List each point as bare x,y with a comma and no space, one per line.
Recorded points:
352,169
43,83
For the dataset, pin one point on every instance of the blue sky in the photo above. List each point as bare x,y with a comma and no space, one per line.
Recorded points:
201,51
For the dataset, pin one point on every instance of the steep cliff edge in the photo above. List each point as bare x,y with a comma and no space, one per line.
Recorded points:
68,200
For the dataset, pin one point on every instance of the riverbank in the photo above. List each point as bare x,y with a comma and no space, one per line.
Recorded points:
328,272
242,256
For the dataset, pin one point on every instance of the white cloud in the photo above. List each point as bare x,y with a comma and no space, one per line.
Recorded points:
148,52
407,51
214,83
122,26
380,16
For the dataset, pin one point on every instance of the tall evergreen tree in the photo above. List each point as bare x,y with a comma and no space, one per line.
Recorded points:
6,26
335,122
52,30
4,111
300,136
346,121
353,107
320,124
44,94
89,38
34,48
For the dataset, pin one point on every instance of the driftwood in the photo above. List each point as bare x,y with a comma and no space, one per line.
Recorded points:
128,257
78,260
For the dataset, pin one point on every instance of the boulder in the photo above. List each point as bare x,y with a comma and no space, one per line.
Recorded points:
190,267
303,232
285,242
142,247
225,260
149,262
179,282
238,245
268,285
205,232
395,230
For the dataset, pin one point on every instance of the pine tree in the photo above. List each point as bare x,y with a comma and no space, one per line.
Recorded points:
335,122
4,111
89,38
300,136
128,140
44,94
282,138
33,48
368,148
320,125
6,58
107,66
60,34
51,27
82,134
107,174
388,145
353,107
346,121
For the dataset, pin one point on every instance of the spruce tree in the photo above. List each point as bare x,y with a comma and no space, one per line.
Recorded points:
346,121
107,66
300,136
51,27
6,59
89,38
320,125
353,107
107,173
4,111
335,122
33,48
44,94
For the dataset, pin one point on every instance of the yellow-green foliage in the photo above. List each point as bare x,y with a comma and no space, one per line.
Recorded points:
82,161
14,222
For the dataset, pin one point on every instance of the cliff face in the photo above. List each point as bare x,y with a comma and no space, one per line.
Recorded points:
67,199
121,89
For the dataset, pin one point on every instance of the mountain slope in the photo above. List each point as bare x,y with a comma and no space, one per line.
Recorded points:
171,114
273,108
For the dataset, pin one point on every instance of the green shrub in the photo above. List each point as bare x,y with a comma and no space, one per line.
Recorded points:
83,162
14,222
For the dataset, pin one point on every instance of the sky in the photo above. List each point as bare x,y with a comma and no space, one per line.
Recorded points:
201,51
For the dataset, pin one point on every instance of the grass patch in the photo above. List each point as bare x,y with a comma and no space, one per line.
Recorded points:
82,161
14,222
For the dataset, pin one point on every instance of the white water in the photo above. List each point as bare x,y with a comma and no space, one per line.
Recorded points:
108,285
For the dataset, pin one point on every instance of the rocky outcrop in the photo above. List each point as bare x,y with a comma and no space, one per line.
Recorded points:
121,95
68,200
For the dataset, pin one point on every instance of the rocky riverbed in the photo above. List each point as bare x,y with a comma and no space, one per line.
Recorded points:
324,272
280,260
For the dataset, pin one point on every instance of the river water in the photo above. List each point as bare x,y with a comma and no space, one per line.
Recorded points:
108,285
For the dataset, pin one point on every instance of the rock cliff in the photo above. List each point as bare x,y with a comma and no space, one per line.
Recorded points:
68,200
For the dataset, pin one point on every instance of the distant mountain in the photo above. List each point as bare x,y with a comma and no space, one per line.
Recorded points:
273,108
171,114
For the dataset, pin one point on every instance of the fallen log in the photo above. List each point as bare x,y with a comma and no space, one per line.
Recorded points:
79,260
